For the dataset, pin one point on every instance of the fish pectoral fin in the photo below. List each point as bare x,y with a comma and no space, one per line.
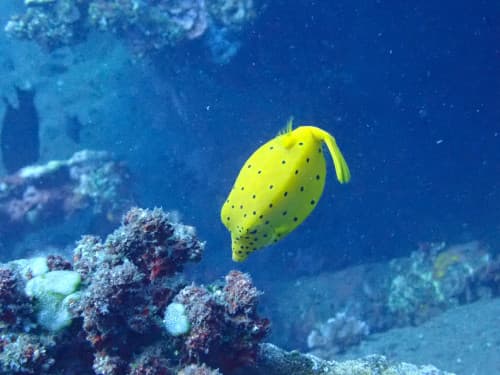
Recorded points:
279,233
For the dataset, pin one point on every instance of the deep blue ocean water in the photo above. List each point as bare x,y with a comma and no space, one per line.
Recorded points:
410,90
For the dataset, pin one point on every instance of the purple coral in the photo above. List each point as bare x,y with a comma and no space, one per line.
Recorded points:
36,195
206,319
154,243
337,334
153,361
25,354
198,370
225,328
15,308
240,295
130,279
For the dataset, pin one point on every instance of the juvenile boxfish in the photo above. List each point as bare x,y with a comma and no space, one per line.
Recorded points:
278,187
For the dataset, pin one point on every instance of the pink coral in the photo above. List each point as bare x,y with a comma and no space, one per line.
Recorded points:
225,328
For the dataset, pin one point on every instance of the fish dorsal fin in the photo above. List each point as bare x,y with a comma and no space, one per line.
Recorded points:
288,127
286,134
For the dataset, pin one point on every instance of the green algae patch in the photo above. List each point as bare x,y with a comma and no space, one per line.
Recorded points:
52,291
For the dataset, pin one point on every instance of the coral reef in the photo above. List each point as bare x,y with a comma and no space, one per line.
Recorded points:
336,334
275,361
435,279
26,354
198,370
225,328
147,26
112,307
51,23
89,182
406,291
53,293
15,307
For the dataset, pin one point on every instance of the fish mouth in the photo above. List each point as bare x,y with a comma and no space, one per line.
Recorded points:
239,254
238,257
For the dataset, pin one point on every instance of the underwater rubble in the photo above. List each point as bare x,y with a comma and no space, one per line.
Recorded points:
275,361
463,340
147,26
89,183
331,312
122,306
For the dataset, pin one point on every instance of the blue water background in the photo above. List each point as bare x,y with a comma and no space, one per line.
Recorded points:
411,91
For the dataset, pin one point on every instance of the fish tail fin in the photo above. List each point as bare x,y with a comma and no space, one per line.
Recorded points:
341,168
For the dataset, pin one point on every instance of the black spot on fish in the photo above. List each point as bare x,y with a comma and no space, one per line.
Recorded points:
296,171
271,148
242,188
271,186
317,177
301,143
285,193
228,218
249,166
232,206
270,205
254,196
20,139
255,212
283,162
244,215
259,172
302,188
313,201
284,213
307,160
261,216
241,206
295,219
319,150
267,222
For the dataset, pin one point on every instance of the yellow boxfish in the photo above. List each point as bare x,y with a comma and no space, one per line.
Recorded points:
278,187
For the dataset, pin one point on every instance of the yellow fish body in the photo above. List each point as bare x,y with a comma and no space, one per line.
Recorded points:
278,187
